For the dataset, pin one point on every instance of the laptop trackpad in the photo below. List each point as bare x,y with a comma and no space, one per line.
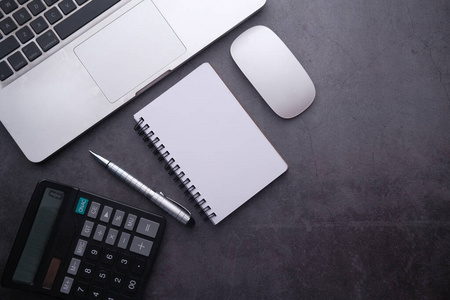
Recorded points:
129,50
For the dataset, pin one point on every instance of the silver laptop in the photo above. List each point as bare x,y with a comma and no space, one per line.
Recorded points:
67,64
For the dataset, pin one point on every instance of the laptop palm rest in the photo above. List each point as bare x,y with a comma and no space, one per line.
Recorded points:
130,50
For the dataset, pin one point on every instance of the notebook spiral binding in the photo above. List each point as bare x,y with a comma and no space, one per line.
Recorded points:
173,169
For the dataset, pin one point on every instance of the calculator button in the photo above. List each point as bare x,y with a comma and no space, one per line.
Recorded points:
81,246
138,267
95,292
106,214
131,285
129,224
111,296
101,276
80,289
111,236
87,270
81,206
141,246
147,227
123,262
117,280
66,285
87,228
93,210
74,265
123,241
99,233
118,218
108,257
93,252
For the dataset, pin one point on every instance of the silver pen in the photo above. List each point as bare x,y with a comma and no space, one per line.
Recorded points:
173,208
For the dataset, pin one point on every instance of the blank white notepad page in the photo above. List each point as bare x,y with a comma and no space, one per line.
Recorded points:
213,140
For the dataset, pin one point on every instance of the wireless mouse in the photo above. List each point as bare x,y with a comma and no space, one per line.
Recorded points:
274,71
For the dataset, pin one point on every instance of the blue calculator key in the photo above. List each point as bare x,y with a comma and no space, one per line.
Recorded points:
81,206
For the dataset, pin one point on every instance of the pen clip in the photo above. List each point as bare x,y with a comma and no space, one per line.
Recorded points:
176,203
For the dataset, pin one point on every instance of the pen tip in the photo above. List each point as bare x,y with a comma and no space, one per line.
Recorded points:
190,223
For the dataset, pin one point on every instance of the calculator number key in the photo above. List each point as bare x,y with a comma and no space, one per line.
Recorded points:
117,280
123,262
93,252
101,276
87,271
80,289
131,285
95,292
108,257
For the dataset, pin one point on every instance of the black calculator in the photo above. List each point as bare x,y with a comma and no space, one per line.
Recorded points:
73,244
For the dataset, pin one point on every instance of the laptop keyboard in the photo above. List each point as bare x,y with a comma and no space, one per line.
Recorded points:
30,28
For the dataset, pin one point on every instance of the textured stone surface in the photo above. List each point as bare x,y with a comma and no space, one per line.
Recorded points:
364,209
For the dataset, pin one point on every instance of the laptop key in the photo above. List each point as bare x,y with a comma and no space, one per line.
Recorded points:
47,41
8,25
31,51
8,5
22,16
67,6
36,7
53,15
17,61
8,45
25,34
39,25
5,71
83,16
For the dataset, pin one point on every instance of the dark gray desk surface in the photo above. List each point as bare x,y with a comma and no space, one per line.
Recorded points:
363,211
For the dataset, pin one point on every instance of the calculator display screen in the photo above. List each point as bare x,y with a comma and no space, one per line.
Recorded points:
40,233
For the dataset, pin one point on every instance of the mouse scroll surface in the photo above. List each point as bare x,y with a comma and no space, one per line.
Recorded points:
274,71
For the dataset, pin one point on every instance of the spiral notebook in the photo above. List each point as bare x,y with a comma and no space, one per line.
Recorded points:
209,143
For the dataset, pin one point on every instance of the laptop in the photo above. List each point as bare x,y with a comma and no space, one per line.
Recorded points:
67,64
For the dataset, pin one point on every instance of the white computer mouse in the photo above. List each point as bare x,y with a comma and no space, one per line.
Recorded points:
274,71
